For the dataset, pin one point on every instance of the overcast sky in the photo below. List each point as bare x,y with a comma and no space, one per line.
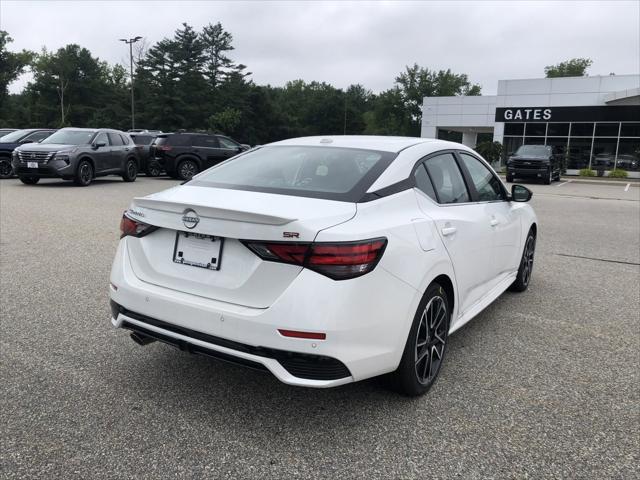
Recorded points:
360,42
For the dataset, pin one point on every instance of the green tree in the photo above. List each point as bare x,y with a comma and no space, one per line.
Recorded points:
12,65
417,82
576,67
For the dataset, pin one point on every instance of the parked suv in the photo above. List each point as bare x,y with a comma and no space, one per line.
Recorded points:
78,154
10,141
535,161
183,155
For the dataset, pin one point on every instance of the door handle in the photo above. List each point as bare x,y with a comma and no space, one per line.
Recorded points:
494,222
446,231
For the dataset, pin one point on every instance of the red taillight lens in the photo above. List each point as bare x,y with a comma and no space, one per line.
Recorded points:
134,228
338,261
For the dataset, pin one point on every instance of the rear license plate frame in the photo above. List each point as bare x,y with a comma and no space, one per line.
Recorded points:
192,239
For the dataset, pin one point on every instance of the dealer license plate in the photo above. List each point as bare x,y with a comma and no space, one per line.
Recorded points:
32,164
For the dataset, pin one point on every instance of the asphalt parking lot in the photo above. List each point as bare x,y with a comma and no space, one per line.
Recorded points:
543,384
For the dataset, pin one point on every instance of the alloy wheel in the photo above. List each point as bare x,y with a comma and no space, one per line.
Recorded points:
527,259
132,170
188,169
430,340
85,173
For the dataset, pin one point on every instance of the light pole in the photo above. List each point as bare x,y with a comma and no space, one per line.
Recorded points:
130,42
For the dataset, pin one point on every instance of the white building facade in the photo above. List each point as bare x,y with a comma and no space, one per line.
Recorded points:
594,120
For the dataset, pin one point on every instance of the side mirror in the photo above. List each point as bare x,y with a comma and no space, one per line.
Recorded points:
25,141
510,154
520,193
99,144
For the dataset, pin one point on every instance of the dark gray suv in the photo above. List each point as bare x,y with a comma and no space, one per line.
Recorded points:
78,154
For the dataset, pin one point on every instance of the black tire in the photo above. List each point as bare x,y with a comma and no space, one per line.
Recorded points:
130,171
549,178
29,180
6,169
521,283
509,178
426,345
84,174
187,169
153,170
558,176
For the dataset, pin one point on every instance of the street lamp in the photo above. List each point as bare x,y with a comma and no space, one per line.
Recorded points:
130,42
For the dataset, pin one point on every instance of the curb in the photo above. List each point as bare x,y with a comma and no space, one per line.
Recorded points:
633,182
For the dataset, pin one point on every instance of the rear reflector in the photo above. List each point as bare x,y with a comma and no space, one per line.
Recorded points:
308,335
339,261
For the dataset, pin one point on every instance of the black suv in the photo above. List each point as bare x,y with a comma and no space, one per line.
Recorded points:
12,140
535,161
78,154
183,155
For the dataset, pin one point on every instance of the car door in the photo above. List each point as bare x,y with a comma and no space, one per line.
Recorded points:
208,149
492,197
118,153
102,154
462,224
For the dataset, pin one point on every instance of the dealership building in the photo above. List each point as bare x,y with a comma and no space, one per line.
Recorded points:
595,121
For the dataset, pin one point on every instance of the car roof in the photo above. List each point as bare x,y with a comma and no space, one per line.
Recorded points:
369,142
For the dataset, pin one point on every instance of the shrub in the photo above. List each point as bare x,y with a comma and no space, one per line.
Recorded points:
491,151
587,172
618,173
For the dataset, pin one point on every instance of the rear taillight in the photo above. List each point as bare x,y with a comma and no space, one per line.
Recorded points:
339,261
128,226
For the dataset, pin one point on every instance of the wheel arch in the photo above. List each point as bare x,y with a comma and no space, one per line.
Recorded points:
88,159
447,284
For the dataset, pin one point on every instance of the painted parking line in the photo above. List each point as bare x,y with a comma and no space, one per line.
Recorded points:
626,189
563,183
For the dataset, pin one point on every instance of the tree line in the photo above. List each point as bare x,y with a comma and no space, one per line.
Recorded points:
191,82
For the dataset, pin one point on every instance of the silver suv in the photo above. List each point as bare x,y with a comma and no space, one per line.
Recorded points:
78,154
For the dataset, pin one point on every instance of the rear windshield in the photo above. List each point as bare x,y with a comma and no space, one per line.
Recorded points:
70,137
142,139
534,150
332,173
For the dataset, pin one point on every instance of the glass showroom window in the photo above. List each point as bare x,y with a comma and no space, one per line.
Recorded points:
580,143
628,157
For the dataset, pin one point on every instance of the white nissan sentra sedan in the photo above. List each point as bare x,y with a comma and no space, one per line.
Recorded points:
325,260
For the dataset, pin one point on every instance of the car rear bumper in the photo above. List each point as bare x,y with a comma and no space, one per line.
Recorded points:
365,332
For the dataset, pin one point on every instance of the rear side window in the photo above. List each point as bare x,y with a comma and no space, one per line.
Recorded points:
177,140
447,179
115,139
205,141
331,173
126,140
423,182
